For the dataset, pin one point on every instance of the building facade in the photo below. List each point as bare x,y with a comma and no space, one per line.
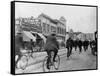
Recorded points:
43,24
49,25
61,29
31,24
28,24
86,36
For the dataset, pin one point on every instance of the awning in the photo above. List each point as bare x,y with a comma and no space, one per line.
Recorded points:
42,37
27,36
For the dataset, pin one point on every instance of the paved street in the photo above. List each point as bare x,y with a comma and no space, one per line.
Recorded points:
76,62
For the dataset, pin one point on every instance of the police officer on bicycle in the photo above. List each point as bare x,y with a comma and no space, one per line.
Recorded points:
51,45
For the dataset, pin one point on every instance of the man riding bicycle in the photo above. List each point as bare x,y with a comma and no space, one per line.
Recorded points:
51,46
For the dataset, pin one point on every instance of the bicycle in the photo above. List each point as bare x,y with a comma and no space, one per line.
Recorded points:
52,63
23,62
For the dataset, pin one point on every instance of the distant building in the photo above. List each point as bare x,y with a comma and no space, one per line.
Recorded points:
88,36
48,25
73,35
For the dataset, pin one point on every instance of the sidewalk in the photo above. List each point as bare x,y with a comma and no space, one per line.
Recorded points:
39,56
77,61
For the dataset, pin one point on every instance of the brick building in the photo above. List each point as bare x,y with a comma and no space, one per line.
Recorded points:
43,24
48,25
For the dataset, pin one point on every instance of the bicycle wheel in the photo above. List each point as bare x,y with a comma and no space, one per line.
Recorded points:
23,62
45,65
57,62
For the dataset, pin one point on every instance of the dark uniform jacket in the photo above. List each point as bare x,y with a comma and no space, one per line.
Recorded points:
69,43
85,43
80,43
51,44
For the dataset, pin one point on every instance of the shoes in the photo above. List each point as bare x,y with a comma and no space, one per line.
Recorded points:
48,66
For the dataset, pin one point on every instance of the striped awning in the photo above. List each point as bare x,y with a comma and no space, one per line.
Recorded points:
27,36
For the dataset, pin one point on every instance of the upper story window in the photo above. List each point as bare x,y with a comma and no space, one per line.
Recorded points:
44,27
48,28
60,30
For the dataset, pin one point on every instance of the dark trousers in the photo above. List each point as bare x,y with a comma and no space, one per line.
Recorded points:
80,49
85,48
49,55
75,48
69,52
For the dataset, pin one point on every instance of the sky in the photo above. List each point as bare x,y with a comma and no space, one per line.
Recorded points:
78,18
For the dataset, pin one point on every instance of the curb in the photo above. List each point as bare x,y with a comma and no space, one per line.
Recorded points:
41,58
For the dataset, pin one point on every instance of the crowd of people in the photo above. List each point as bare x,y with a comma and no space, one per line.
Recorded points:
78,43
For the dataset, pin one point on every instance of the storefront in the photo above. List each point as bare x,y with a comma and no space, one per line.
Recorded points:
40,40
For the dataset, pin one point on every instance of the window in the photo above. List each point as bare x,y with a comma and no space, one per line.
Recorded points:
52,28
62,31
65,31
48,27
44,27
59,30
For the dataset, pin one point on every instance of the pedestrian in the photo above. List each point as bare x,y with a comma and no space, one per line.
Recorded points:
69,45
85,44
80,45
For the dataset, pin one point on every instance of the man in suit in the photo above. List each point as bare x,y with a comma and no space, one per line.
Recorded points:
69,46
80,45
85,44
